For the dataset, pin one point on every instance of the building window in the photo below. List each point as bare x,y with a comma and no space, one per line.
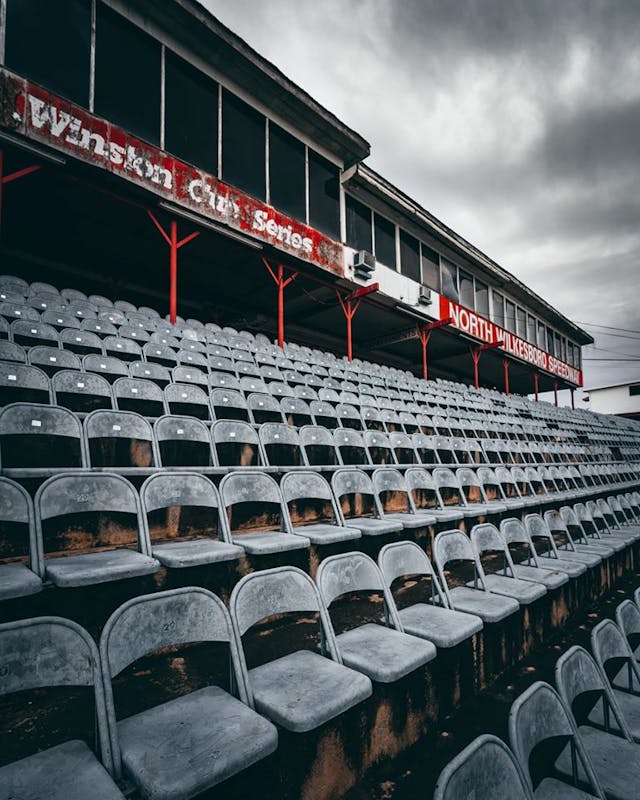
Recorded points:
531,329
542,336
521,323
550,345
510,316
466,289
243,146
409,256
498,308
557,345
358,225
50,44
449,272
287,173
324,195
482,298
190,114
127,80
430,268
634,390
385,241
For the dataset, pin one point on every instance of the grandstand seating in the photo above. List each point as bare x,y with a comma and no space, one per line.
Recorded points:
130,446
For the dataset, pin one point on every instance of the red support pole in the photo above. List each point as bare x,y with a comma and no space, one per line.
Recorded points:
505,367
475,355
573,400
349,310
424,336
12,176
174,245
281,283
555,392
535,384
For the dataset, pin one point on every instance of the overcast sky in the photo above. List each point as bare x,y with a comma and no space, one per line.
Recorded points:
517,122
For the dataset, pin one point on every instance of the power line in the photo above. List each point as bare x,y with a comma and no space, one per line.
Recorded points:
609,360
608,327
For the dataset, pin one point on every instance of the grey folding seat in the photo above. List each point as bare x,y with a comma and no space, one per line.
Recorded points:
14,283
188,374
281,445
461,448
538,486
492,490
383,652
510,489
526,590
44,301
125,349
308,498
621,670
34,436
9,351
563,537
81,342
185,525
95,552
394,499
409,422
187,400
403,450
474,494
622,515
236,444
134,333
11,311
183,442
425,498
263,408
295,411
280,389
425,448
391,420
52,359
329,394
445,449
229,404
246,368
451,495
109,367
628,619
100,301
39,287
603,517
125,306
379,447
141,323
192,358
540,723
81,391
306,393
139,395
241,494
350,446
349,417
324,414
221,364
601,725
318,446
59,320
431,618
530,567
306,688
484,769
71,295
219,349
20,567
193,343
119,439
223,380
358,504
30,334
474,597
45,652
156,353
153,372
590,538
371,418
165,340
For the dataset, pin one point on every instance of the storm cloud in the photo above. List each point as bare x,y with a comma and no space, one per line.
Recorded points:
517,122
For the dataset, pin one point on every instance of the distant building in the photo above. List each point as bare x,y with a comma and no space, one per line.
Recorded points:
622,399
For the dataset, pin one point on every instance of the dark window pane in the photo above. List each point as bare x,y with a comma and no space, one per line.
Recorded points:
127,89
482,298
49,42
531,329
324,195
385,241
542,336
358,225
466,289
409,256
498,309
191,114
550,347
450,280
243,144
430,268
557,345
634,390
286,173
521,321
510,316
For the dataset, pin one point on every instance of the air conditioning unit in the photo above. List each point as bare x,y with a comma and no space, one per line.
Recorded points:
424,298
364,264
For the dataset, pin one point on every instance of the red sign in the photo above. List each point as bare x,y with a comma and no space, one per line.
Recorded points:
37,114
486,331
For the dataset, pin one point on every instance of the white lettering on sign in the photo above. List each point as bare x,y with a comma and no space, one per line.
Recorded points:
486,331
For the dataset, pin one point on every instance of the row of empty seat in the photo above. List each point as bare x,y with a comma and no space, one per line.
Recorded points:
581,741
